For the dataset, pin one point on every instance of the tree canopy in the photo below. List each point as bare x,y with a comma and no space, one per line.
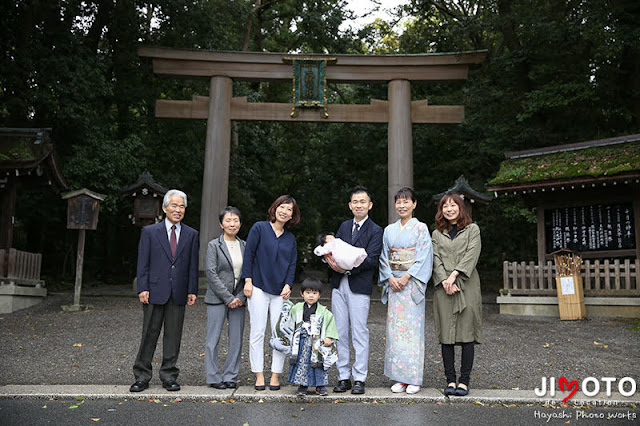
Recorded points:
556,72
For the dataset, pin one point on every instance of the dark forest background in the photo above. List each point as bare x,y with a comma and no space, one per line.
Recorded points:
557,71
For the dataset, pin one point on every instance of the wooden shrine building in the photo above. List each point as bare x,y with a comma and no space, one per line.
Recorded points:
27,161
587,199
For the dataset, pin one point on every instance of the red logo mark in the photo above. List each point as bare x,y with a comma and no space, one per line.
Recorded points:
571,386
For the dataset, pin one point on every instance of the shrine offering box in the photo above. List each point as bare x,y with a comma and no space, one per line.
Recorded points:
569,287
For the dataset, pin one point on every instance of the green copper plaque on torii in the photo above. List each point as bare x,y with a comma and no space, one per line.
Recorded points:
309,84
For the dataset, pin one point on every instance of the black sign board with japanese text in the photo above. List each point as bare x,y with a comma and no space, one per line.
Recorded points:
590,228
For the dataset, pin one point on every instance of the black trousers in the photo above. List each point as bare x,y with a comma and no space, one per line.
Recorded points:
448,359
171,316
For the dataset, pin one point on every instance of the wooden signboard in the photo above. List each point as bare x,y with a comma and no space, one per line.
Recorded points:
82,212
596,227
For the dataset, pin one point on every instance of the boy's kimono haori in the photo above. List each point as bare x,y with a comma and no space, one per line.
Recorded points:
304,341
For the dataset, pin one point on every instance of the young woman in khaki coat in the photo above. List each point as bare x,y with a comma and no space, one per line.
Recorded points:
457,303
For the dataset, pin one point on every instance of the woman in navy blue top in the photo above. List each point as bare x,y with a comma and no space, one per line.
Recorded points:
269,268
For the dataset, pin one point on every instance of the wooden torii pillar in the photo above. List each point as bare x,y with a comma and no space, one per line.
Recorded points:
220,107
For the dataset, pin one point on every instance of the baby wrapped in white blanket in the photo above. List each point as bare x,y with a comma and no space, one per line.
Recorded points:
346,256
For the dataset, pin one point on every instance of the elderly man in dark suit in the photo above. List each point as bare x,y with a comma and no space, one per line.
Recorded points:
352,290
167,281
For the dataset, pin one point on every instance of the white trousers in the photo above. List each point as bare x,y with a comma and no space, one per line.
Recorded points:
351,312
261,304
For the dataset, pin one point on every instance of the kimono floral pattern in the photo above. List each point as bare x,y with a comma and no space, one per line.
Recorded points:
404,352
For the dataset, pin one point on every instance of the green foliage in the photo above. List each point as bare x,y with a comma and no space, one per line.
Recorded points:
19,151
556,72
378,38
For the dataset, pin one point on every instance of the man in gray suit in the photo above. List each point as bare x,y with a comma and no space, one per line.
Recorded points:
352,290
225,300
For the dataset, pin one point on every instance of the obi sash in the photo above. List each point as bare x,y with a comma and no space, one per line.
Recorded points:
401,259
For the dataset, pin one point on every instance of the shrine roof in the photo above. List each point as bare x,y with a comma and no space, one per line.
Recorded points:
29,153
145,180
463,188
581,163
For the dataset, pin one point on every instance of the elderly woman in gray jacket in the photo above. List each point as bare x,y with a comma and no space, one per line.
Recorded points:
225,300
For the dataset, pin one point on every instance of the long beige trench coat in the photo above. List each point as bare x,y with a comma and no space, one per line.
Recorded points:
458,318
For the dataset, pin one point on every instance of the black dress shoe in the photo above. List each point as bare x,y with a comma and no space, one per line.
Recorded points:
358,388
230,385
260,387
462,391
138,386
449,390
342,386
171,386
274,387
218,385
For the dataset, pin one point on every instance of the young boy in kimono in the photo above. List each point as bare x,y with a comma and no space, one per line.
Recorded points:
307,331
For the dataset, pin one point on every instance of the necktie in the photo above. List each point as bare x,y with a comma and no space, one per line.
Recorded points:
355,232
173,241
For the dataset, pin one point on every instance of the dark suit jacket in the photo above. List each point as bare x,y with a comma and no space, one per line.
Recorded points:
223,285
160,274
369,238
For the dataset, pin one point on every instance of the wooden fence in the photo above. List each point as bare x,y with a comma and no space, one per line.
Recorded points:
20,267
600,278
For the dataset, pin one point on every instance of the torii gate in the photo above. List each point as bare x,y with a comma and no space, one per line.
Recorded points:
220,108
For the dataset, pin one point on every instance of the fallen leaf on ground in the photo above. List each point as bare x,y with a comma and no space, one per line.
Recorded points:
77,345
95,419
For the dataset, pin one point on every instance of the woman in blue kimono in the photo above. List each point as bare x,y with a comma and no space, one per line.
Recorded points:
405,268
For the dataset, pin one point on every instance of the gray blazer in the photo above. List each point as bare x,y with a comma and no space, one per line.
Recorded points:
222,286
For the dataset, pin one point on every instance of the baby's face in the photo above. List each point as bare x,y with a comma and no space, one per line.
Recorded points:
329,238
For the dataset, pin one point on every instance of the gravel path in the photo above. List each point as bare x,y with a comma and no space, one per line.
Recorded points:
43,345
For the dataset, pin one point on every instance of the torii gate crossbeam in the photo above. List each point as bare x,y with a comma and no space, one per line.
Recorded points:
220,107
